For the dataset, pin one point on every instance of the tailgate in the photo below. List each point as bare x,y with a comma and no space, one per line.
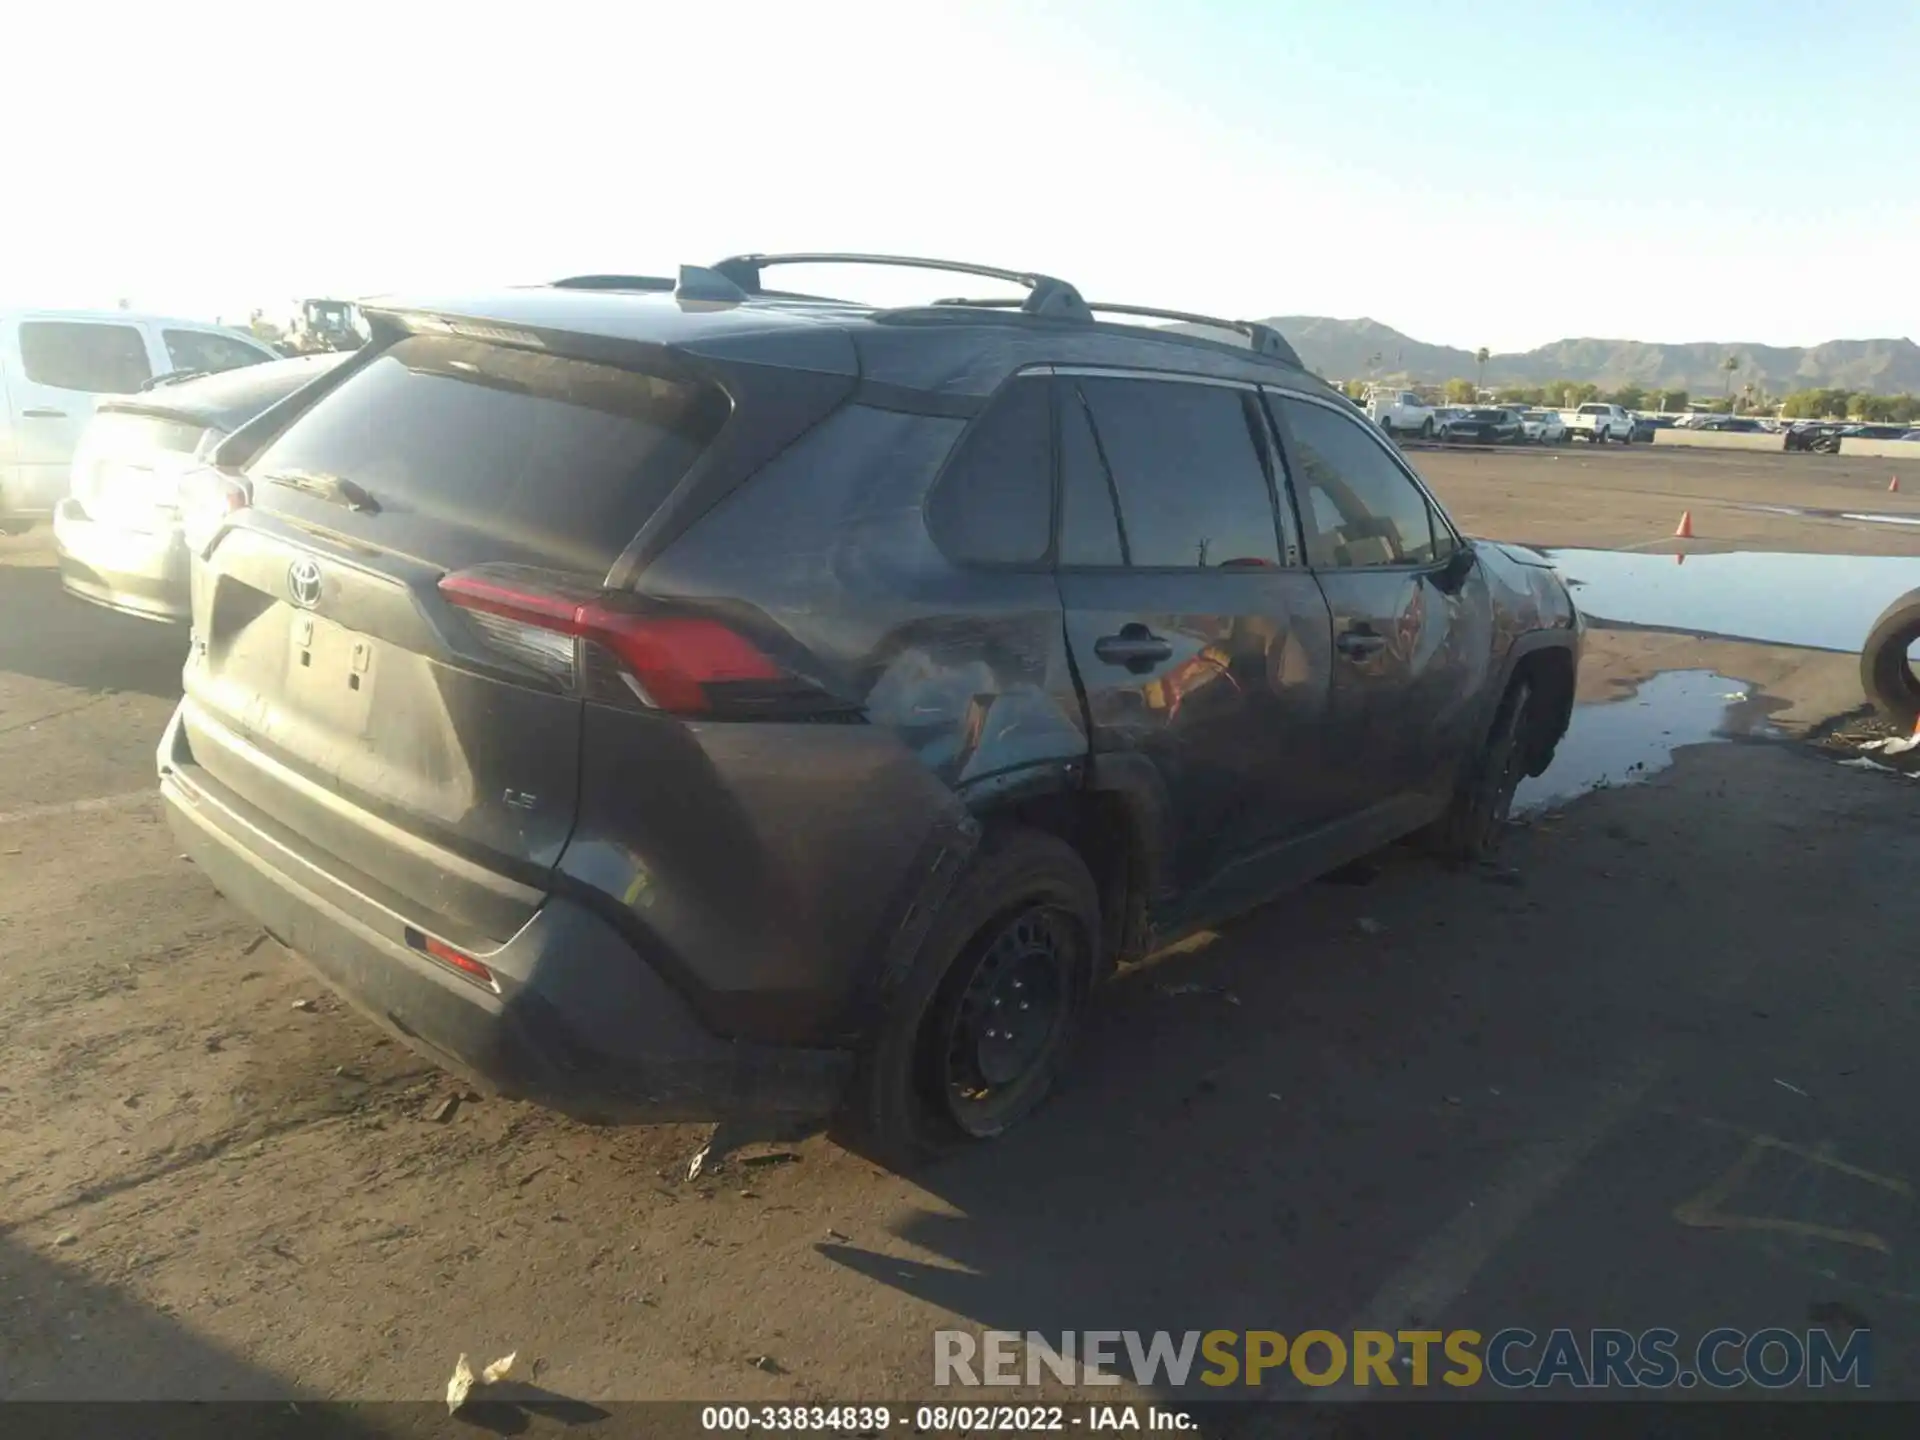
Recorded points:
336,694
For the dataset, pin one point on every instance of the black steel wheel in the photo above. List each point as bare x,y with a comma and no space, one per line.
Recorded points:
999,1033
977,1027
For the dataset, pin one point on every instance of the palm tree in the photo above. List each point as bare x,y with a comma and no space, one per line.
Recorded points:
1480,358
1730,364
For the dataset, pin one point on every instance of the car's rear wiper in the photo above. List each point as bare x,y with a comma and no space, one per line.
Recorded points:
334,488
173,377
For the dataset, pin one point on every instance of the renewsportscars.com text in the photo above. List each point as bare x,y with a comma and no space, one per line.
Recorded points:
1512,1358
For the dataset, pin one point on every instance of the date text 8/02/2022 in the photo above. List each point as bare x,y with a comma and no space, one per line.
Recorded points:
1511,1358
873,1420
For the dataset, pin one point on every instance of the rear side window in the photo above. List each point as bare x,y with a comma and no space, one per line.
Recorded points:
205,351
102,359
994,504
1359,507
536,451
1181,464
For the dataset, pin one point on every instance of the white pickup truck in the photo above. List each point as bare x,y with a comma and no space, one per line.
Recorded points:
1400,412
1599,423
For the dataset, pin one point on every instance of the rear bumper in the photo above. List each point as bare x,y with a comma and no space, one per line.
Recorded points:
577,1021
138,572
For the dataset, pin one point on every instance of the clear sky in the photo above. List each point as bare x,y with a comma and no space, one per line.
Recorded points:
1492,173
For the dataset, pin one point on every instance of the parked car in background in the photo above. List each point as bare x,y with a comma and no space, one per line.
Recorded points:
54,366
661,708
1910,435
1815,437
1400,412
1485,425
1543,427
117,534
1730,424
1599,424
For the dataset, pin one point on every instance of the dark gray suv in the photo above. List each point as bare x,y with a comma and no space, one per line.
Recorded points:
672,700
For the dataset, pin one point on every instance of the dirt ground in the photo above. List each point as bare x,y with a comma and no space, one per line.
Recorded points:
1433,1098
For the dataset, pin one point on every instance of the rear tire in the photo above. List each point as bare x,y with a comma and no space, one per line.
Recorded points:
979,1025
1476,820
1885,672
1426,429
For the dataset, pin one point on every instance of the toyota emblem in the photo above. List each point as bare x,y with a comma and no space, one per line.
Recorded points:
303,582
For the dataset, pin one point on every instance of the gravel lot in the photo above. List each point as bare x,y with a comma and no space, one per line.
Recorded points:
1489,1104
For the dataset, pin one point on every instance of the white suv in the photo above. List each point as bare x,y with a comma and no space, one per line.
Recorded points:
54,364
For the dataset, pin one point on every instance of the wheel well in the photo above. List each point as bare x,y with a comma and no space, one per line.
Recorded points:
1550,672
1101,828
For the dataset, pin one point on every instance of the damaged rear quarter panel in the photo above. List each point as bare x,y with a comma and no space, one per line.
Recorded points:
831,834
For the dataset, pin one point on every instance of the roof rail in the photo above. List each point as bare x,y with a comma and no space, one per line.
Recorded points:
1045,295
1264,339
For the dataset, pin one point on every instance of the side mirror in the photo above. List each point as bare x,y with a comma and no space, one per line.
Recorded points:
1458,567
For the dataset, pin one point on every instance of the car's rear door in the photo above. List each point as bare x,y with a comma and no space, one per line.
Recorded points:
427,749
1411,636
62,367
1201,642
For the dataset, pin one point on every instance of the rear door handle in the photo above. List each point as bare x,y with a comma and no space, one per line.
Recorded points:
1358,644
1135,647
44,414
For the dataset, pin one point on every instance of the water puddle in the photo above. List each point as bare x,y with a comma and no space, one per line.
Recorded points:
1818,602
1622,742
1806,512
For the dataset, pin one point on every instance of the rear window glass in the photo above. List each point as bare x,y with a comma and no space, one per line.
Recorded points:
113,432
994,505
536,452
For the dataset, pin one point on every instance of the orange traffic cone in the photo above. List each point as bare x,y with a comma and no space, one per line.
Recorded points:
1685,532
1893,485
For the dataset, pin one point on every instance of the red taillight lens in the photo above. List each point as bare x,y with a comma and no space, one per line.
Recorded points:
450,957
669,661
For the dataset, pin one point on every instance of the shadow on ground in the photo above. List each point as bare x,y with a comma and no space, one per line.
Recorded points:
1470,1100
48,635
84,1360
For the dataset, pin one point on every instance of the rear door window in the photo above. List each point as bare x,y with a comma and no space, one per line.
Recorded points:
209,352
98,358
994,503
518,450
1360,509
1181,464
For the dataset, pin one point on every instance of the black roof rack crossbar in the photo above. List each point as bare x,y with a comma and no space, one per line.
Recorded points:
1045,294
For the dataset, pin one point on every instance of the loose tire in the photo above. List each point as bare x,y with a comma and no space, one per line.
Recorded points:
1885,672
1476,820
977,1028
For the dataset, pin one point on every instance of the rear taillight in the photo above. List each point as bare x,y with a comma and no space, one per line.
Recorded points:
681,664
456,960
208,498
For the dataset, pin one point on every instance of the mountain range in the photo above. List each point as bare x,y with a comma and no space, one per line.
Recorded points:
1345,350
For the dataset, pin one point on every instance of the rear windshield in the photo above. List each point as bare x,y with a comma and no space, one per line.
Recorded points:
473,450
120,433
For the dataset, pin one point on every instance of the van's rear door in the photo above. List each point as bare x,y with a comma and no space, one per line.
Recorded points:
338,697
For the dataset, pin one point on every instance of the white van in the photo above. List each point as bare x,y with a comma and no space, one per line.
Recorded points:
55,363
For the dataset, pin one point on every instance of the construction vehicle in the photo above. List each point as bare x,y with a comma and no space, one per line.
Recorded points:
324,325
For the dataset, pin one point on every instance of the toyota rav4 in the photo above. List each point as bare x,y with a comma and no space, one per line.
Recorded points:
681,699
